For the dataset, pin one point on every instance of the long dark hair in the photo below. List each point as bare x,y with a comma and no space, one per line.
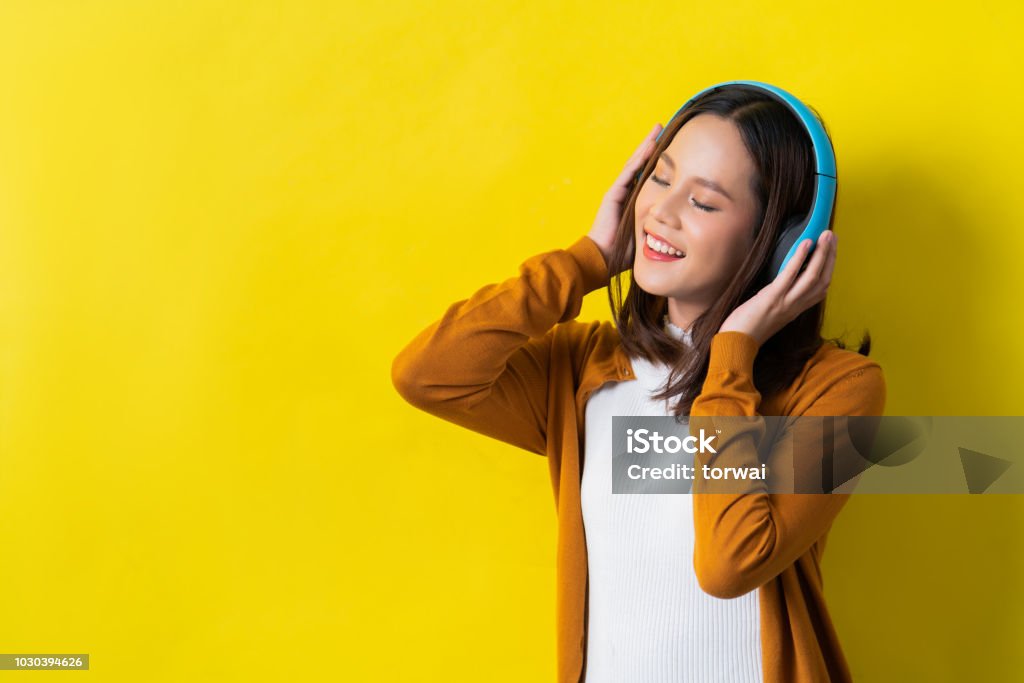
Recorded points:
784,186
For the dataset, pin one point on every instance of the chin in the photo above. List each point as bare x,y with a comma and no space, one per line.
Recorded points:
654,285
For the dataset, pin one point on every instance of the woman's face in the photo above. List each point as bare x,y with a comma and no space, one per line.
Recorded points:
680,205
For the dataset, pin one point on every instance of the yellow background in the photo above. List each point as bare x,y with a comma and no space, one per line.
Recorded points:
220,221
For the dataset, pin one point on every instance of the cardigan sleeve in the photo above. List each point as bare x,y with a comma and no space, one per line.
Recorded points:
745,539
484,364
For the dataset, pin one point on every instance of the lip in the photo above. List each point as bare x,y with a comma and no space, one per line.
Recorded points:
657,255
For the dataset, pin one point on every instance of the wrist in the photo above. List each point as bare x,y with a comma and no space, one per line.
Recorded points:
733,351
592,262
604,249
753,334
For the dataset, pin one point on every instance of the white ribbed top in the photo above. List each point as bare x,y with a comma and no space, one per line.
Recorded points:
648,619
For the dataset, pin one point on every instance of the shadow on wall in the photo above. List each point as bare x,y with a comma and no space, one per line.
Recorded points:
929,587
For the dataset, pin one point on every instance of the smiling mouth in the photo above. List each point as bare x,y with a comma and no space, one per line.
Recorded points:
657,249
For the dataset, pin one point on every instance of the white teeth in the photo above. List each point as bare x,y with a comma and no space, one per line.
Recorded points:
658,245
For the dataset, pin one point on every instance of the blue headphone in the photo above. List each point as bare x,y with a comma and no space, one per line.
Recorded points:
816,221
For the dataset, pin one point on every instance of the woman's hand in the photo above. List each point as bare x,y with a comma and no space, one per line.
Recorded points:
788,295
609,214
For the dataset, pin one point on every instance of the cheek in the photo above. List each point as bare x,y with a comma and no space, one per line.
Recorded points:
733,250
643,203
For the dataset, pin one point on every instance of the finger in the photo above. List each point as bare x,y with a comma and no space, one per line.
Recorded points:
784,280
810,280
807,280
826,276
645,144
651,137
820,257
643,151
819,288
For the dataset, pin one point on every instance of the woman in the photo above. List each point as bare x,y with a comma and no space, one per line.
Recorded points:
653,588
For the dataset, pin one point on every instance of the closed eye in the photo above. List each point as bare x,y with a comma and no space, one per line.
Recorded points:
702,207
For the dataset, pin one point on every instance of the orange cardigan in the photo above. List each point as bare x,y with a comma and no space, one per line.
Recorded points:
511,362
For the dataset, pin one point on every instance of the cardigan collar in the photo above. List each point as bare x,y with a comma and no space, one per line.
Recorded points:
609,362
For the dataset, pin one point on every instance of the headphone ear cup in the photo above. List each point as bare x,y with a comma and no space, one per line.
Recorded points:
791,231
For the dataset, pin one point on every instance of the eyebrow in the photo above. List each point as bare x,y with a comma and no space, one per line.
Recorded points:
710,184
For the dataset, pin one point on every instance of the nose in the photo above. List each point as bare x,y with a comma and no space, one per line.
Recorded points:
665,211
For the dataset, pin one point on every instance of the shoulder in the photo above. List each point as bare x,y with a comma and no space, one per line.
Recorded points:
590,338
835,374
594,343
